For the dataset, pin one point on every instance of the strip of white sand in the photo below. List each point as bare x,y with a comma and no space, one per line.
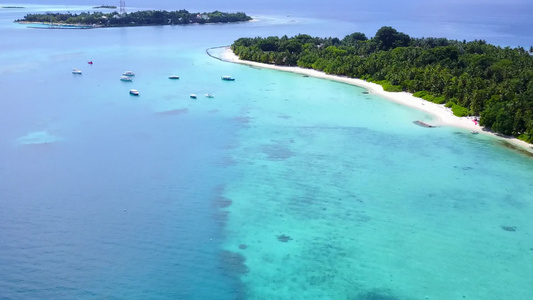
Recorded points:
443,115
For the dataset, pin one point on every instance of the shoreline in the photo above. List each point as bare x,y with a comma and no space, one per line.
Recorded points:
443,115
94,26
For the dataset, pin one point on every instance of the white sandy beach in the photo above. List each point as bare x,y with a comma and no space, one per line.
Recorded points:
443,115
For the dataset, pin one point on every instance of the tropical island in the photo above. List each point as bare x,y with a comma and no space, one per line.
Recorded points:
138,18
106,6
472,78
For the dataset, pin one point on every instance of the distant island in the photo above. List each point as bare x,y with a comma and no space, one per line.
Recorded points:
12,6
472,78
105,6
139,18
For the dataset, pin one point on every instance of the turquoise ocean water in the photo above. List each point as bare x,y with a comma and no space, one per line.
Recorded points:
279,187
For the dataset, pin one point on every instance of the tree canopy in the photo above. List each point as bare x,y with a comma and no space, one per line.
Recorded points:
472,78
139,18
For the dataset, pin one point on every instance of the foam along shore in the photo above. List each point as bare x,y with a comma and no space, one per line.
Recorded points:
442,114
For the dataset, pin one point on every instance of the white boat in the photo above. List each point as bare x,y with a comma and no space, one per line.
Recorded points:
128,73
193,96
76,71
173,77
228,78
134,92
126,78
209,96
474,132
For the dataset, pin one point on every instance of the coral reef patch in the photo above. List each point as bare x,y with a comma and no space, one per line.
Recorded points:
508,228
233,264
284,238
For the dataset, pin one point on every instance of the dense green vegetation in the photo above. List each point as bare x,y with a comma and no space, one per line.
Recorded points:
472,78
139,18
105,6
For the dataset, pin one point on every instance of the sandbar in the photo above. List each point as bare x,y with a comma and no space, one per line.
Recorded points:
443,115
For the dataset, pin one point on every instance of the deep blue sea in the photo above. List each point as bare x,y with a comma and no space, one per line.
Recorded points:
279,187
